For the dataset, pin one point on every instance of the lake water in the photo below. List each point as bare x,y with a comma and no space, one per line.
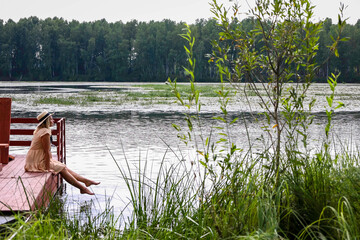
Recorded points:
97,135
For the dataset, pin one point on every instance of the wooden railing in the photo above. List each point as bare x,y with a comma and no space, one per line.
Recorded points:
59,132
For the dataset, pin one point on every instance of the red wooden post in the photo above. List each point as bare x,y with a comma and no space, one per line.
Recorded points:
5,119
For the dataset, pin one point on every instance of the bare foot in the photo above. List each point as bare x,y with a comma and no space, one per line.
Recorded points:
86,191
90,182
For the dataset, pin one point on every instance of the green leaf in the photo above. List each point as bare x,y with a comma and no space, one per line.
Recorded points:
344,39
220,119
187,50
204,164
176,127
190,61
329,100
234,120
297,163
340,105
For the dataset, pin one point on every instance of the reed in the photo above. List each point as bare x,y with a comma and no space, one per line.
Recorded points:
319,200
58,223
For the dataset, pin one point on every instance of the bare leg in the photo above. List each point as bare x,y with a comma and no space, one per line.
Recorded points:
65,173
80,178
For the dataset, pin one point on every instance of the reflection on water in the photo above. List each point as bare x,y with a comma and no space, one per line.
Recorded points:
95,139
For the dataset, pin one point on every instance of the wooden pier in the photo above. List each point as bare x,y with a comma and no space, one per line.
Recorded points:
22,191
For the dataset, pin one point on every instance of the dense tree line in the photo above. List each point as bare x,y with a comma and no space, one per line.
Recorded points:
56,49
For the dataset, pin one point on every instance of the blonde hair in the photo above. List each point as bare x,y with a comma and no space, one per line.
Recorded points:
45,124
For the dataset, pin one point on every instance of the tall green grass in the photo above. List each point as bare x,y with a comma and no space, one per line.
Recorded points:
318,199
58,223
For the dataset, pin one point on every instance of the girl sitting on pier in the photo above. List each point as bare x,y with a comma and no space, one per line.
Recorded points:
39,157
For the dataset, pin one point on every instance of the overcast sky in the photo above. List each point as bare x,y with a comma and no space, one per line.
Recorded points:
145,10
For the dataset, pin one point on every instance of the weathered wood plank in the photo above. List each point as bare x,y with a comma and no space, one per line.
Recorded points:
27,195
20,191
20,143
28,120
29,132
10,171
25,191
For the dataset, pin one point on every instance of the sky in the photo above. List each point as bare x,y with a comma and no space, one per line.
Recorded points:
145,10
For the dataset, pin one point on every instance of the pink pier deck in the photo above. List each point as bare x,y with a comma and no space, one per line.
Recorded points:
22,191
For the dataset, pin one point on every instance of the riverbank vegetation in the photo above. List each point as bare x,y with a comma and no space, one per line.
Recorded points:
285,190
58,223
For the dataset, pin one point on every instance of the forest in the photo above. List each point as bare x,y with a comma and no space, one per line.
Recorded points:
55,49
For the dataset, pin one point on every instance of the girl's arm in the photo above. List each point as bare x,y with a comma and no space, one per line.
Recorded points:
45,140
